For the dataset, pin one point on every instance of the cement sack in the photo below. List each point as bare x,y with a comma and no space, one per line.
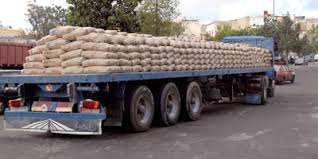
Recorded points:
146,68
78,33
100,62
99,55
72,46
134,55
57,44
51,54
62,30
73,62
33,65
102,69
45,39
135,62
32,71
89,46
53,71
71,55
117,39
143,48
123,62
111,32
122,55
129,40
102,38
155,68
145,55
155,56
131,48
35,58
126,69
73,70
137,68
146,62
102,47
38,50
88,38
156,62
52,62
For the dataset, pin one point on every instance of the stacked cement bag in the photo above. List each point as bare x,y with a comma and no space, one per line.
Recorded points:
86,50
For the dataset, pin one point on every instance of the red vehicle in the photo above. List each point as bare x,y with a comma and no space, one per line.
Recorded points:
12,55
284,73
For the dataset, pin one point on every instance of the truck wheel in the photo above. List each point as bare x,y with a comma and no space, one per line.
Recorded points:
192,104
169,106
139,109
293,80
2,107
264,92
272,89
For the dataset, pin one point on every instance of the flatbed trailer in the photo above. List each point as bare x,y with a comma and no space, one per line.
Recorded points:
83,104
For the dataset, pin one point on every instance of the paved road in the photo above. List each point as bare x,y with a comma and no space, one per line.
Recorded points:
285,129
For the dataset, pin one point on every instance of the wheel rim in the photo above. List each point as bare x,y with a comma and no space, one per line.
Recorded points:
195,102
265,93
143,110
1,107
171,106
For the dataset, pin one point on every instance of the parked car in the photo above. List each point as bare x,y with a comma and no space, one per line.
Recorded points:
316,57
284,73
301,61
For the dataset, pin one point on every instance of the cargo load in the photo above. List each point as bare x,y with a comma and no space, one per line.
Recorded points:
86,50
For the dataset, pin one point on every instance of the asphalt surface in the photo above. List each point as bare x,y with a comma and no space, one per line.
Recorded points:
287,128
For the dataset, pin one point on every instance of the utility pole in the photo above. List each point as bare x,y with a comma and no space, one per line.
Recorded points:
157,27
274,9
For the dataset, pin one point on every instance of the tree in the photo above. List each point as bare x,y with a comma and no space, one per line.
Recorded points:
285,32
105,14
312,43
157,17
44,18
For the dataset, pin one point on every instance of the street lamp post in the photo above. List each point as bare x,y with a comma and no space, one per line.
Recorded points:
274,8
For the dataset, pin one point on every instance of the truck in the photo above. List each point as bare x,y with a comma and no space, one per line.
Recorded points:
84,104
12,58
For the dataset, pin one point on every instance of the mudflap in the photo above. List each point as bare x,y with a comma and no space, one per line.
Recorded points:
59,123
254,99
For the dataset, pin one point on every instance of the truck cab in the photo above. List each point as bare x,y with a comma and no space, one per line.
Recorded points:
260,42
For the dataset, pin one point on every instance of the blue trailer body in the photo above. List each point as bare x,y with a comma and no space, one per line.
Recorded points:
253,41
120,77
73,88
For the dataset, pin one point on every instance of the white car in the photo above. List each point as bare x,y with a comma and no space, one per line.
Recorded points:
316,57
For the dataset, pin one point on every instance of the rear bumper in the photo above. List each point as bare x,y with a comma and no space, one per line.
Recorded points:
59,123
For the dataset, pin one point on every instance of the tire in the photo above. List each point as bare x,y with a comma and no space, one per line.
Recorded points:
169,105
264,92
293,80
2,107
139,109
192,103
272,89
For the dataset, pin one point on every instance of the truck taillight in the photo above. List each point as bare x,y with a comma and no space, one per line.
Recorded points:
14,103
90,104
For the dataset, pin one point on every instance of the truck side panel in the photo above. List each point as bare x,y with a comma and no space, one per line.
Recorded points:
13,55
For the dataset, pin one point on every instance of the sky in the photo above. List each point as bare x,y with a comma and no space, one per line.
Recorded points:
12,12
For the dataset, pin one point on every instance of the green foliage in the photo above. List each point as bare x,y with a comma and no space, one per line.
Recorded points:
156,18
44,18
285,32
312,43
105,14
